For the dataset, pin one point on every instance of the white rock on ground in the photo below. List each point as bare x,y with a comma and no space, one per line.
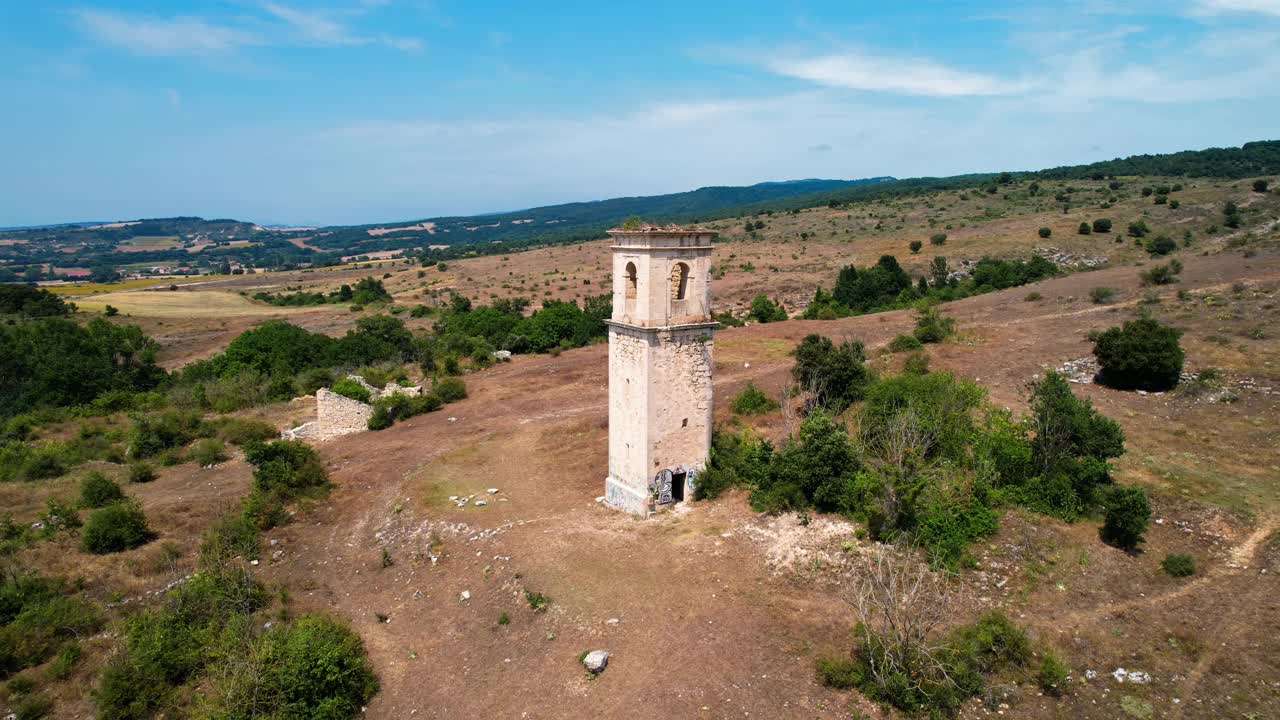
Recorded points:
596,661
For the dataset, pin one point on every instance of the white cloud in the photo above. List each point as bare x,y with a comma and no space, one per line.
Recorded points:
906,76
323,28
163,36
1216,7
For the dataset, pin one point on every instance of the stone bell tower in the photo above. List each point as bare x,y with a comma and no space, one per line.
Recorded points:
659,365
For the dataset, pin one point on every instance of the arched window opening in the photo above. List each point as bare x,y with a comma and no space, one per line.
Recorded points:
679,281
631,281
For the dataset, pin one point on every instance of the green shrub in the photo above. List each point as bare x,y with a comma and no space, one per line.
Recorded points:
764,310
348,387
209,451
916,364
736,460
141,472
232,536
449,389
151,435
932,326
915,246
1161,274
1260,186
114,528
313,668
1178,565
1102,225
1053,673
312,379
34,707
1045,232
1033,296
1101,295
753,401
1084,229
949,515
815,468
1127,515
97,490
241,431
993,644
38,617
1161,245
904,343
938,239
64,663
1141,354
837,376
837,672
537,601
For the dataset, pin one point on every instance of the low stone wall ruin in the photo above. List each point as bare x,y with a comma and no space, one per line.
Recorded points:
338,415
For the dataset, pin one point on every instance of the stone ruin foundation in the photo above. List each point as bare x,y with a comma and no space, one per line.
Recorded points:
338,415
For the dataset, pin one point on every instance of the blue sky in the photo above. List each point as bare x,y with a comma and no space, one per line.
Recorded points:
353,111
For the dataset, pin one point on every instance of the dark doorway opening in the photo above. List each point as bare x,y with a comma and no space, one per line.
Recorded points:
677,486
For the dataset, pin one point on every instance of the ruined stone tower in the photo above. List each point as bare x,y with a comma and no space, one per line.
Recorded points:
659,366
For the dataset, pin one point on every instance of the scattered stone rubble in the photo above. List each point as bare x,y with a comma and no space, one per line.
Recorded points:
1066,259
1084,371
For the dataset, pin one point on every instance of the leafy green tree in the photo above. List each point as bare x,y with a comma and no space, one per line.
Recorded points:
1085,229
1161,245
116,527
915,246
836,375
1260,186
938,271
1102,225
1045,232
818,467
938,238
1127,515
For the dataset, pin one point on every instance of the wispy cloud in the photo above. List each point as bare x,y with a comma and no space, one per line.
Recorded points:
320,27
194,36
901,75
182,35
1215,7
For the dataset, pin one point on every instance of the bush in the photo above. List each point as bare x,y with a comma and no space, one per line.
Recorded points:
154,434
1142,354
753,401
764,310
311,380
938,239
1138,229
313,668
1102,225
1102,295
1053,673
916,364
349,388
1161,245
1161,274
1178,565
1084,228
114,528
232,536
837,376
904,343
992,644
839,673
140,472
97,490
1128,512
209,451
38,615
1260,186
915,246
241,431
932,326
449,389
1045,232
817,467
736,459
